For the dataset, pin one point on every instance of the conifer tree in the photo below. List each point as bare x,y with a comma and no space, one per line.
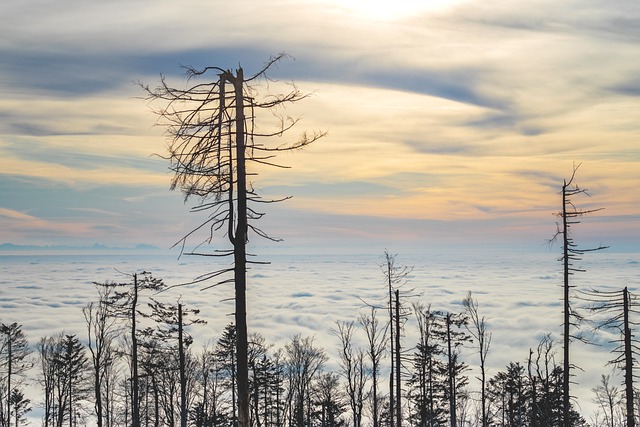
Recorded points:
226,353
72,364
14,364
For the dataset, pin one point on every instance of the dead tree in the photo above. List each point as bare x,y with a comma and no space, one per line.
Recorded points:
571,253
618,306
213,138
477,328
395,277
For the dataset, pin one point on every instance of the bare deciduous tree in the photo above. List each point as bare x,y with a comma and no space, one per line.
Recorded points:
376,345
304,361
478,331
609,399
352,367
102,331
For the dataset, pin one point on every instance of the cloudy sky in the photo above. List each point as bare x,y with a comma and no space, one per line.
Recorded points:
451,122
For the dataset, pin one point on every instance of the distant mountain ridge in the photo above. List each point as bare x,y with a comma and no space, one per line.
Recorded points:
10,247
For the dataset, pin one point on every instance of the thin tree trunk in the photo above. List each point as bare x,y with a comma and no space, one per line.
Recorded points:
240,257
374,374
628,363
135,409
450,369
183,378
397,349
392,334
9,369
567,318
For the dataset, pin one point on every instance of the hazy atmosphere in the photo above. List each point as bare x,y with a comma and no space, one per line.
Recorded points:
450,129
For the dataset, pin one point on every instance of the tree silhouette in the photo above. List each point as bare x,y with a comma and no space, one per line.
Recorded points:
618,306
352,369
14,363
213,136
428,371
125,305
304,361
102,331
376,344
395,277
477,328
20,406
609,399
170,322
225,351
571,253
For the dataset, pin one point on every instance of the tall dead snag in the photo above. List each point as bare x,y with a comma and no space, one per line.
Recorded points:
571,253
618,306
395,277
213,137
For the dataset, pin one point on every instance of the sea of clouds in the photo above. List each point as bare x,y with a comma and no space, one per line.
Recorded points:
520,295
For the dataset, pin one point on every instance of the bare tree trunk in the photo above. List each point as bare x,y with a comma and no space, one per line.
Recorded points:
392,402
240,256
397,349
567,308
628,363
183,378
135,408
9,371
451,375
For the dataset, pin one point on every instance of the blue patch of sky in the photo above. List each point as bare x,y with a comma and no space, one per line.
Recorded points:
81,73
504,121
441,147
18,125
76,159
629,88
56,200
453,84
60,73
552,181
76,74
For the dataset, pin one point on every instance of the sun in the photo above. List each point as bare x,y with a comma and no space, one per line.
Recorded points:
392,10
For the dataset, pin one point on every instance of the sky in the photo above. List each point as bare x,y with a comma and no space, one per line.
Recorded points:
449,123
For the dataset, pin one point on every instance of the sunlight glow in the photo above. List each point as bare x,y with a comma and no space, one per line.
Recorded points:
386,10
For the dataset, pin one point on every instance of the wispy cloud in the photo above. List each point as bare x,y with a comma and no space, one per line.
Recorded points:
482,105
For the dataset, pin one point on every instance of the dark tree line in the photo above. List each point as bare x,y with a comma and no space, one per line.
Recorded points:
288,386
90,379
